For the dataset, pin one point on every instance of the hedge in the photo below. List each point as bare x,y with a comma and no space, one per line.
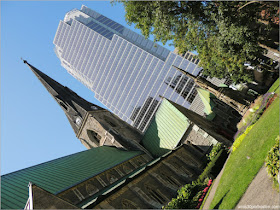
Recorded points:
188,196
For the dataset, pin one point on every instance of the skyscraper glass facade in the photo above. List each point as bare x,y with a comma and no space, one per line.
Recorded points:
126,72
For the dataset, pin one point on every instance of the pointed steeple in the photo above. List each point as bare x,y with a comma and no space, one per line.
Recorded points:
74,107
186,73
200,81
235,99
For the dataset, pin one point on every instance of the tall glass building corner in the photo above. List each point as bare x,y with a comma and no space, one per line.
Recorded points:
126,72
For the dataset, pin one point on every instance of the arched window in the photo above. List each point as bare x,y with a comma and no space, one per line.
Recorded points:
127,169
155,194
94,137
217,101
127,204
233,104
111,178
91,189
235,113
63,105
170,179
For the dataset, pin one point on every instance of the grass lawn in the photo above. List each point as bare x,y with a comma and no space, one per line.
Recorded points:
246,161
274,87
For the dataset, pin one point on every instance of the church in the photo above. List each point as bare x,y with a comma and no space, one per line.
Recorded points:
122,168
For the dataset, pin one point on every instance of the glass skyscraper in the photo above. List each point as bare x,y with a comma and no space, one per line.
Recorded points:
126,72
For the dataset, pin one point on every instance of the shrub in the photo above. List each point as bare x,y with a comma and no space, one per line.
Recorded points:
272,161
216,148
189,195
214,167
238,141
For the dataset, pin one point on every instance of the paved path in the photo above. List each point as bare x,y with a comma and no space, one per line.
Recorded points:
260,193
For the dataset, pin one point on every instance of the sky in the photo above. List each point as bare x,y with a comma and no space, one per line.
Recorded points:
34,129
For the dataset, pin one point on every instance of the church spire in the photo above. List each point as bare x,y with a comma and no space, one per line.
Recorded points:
74,107
235,99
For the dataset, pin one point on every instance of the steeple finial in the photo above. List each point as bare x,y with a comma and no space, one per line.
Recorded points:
235,99
186,73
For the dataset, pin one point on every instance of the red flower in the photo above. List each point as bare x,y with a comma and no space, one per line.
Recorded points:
205,189
200,200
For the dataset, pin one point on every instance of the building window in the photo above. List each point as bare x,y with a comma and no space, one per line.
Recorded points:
170,179
127,169
63,105
235,113
94,107
139,161
111,178
192,95
127,204
155,194
91,189
114,131
217,101
94,137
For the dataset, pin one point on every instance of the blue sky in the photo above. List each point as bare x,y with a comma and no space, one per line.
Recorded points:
34,129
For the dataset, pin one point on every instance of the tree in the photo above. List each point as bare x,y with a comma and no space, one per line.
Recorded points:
225,34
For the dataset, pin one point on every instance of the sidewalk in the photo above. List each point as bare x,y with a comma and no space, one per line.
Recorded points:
260,193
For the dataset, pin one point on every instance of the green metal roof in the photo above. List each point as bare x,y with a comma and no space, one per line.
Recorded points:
206,96
166,129
211,116
222,85
59,174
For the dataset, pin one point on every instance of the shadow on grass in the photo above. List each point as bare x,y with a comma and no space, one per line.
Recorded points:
219,203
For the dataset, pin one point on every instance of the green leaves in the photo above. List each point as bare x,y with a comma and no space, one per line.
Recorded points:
272,160
224,33
187,197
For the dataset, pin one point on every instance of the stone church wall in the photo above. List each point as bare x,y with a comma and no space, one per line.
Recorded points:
157,185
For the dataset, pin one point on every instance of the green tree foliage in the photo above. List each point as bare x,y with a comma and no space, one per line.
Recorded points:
188,196
226,34
272,161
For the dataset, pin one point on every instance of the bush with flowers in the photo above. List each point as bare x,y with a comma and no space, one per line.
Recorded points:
192,195
204,192
189,195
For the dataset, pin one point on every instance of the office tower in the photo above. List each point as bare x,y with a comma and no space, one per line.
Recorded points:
126,72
